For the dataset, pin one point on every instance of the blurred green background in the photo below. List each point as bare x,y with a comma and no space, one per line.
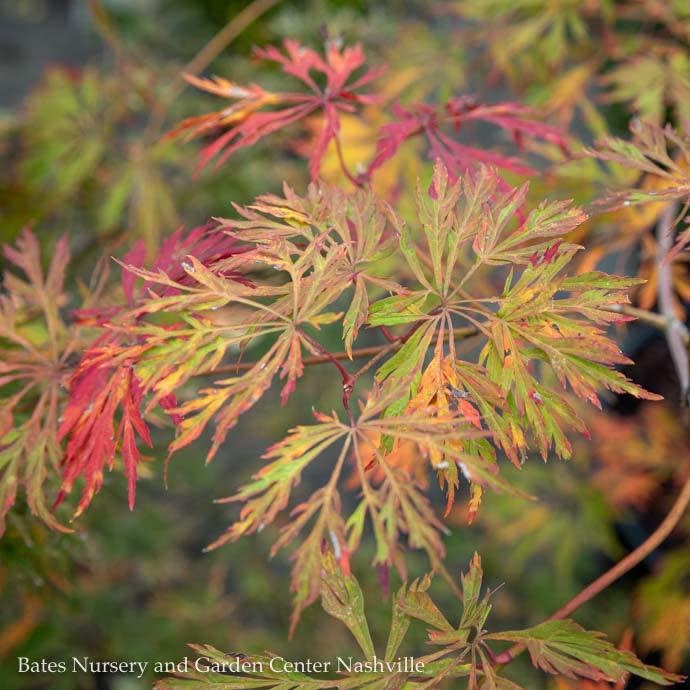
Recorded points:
80,155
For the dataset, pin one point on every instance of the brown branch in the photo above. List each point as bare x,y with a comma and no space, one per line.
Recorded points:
208,54
316,359
652,542
227,34
359,353
385,349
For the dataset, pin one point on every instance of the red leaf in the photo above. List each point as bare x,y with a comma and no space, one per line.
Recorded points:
93,433
469,411
248,119
423,118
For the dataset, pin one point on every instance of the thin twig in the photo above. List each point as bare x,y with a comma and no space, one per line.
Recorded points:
676,345
359,353
227,34
651,318
345,375
209,53
652,542
343,165
386,349
307,361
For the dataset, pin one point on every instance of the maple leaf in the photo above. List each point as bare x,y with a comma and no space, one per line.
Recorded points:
214,670
534,324
556,646
462,651
269,493
662,156
396,506
652,82
468,226
164,354
316,281
661,152
433,123
104,415
319,247
255,113
159,360
94,434
361,223
563,647
342,598
31,374
203,243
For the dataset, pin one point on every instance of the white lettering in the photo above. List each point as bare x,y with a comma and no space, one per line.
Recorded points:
277,664
142,665
25,665
345,664
82,665
201,665
171,666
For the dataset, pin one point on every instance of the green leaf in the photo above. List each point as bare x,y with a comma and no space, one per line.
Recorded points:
565,648
475,609
415,602
409,357
397,309
400,623
356,315
341,597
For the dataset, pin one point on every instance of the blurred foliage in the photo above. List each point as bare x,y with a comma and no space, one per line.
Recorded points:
85,155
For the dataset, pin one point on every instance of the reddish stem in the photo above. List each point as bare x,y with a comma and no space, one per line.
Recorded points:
348,380
610,576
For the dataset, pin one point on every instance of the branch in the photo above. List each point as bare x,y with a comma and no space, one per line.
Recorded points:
652,542
610,576
651,318
678,338
360,353
208,54
674,336
345,375
227,34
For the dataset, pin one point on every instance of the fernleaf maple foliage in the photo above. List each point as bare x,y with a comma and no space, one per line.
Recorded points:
461,651
32,374
661,157
256,112
439,125
291,267
461,328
